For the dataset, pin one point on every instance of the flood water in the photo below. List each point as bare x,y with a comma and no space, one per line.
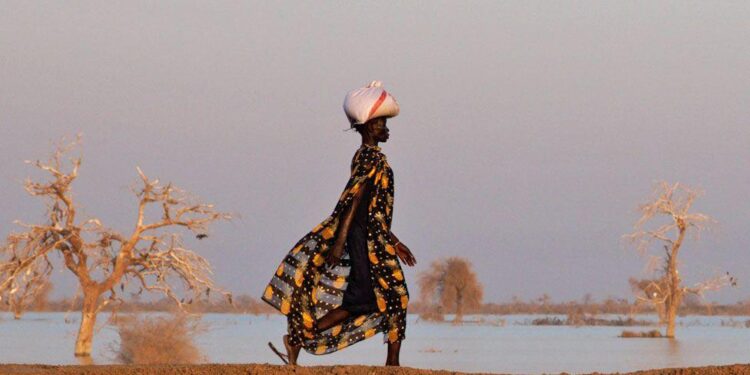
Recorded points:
513,348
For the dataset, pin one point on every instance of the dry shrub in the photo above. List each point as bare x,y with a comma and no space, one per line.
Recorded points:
650,334
166,339
548,321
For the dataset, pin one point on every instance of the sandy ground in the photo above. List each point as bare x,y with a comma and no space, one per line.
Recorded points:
312,370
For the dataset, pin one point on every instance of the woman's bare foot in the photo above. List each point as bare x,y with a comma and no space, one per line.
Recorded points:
394,348
292,352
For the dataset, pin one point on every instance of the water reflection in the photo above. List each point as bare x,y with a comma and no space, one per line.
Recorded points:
673,349
514,348
85,361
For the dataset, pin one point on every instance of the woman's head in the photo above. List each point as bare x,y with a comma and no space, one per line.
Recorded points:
374,130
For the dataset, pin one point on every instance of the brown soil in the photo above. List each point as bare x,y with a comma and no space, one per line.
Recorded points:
265,369
708,370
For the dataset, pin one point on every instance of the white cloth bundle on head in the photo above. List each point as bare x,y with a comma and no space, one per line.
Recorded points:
369,102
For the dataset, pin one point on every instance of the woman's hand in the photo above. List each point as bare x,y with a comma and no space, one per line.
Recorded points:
405,254
334,255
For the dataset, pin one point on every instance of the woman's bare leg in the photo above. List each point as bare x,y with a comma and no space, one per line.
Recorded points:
333,318
393,350
329,320
292,351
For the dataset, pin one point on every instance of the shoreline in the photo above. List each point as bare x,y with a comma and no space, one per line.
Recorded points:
267,369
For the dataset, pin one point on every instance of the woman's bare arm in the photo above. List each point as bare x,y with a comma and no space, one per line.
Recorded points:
345,223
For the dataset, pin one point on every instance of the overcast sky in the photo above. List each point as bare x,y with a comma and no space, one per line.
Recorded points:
528,134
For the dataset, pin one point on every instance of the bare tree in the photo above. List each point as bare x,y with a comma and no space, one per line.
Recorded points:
664,223
451,284
103,260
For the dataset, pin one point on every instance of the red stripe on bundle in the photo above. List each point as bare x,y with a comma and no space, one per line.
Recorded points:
377,104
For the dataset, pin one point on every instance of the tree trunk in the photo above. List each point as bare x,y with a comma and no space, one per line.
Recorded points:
17,310
672,302
671,317
675,291
440,316
88,321
459,308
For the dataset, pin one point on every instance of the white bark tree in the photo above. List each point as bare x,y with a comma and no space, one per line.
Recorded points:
671,203
151,256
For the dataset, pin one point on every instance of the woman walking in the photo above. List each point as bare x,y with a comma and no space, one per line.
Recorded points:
342,282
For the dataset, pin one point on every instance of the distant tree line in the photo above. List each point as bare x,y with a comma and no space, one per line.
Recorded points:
610,305
248,304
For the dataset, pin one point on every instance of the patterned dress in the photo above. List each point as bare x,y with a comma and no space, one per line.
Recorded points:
304,288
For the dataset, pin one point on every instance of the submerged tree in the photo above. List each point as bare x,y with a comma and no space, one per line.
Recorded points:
451,285
103,260
664,223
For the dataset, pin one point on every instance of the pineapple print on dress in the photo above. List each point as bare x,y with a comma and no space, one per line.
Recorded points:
304,290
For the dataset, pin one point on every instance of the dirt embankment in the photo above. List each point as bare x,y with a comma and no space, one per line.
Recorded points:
264,369
708,370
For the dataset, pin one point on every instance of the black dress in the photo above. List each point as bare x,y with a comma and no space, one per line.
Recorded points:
359,297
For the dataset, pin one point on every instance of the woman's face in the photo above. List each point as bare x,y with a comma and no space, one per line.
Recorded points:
379,130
